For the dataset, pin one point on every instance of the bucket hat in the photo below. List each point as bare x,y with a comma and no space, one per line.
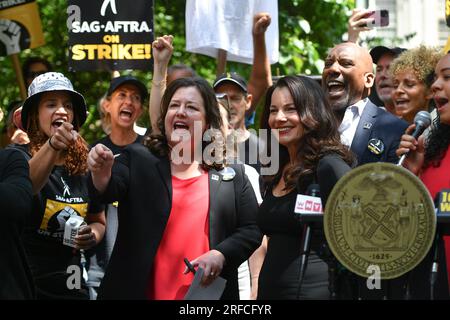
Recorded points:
53,81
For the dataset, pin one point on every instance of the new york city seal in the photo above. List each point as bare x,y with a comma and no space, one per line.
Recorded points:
380,214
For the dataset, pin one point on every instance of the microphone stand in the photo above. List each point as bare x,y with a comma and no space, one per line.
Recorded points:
306,239
332,269
434,266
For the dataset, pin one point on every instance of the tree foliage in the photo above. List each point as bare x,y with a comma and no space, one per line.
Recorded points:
306,29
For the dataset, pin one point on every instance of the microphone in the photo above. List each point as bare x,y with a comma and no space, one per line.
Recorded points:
422,120
309,209
313,190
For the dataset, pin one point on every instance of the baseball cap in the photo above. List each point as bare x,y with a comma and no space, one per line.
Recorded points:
379,51
233,78
53,81
117,82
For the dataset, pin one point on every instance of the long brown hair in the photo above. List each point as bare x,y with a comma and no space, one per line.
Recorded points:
320,136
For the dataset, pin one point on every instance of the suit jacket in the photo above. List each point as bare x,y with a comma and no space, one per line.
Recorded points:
142,184
375,123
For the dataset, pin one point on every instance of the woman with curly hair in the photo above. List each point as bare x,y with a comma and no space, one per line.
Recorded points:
299,116
429,158
51,115
176,202
411,73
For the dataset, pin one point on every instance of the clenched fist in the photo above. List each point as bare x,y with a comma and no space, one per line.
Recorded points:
63,137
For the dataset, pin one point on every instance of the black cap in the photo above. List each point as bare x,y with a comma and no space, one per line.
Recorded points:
233,78
379,51
117,82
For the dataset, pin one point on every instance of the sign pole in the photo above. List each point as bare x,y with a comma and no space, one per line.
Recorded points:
221,61
19,75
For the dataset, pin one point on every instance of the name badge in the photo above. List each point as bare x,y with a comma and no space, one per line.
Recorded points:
227,173
308,204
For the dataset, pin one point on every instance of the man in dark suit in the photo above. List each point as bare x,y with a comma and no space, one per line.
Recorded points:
371,133
347,78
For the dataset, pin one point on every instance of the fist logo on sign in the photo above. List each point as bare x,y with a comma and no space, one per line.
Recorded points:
10,36
105,4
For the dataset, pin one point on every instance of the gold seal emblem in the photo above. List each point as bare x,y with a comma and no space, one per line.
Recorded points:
380,214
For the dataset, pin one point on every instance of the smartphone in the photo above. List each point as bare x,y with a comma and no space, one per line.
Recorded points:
381,18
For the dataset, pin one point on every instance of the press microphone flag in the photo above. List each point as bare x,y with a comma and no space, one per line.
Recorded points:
422,120
310,203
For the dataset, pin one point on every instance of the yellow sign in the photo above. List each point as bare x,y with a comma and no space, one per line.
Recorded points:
444,203
110,35
20,26
447,46
447,10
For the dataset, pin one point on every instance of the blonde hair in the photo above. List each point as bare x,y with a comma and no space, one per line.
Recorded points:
421,61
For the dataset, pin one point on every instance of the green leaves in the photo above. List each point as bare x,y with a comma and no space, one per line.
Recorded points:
304,25
306,30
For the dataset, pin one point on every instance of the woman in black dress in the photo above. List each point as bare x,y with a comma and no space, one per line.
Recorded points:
301,120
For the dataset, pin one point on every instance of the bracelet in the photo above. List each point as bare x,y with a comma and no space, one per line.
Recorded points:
159,83
52,146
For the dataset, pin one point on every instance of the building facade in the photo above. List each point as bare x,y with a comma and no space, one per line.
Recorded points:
424,18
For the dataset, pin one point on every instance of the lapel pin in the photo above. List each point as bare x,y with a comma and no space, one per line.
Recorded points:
376,146
367,125
227,173
215,177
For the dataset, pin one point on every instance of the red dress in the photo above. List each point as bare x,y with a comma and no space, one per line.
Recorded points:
186,236
436,179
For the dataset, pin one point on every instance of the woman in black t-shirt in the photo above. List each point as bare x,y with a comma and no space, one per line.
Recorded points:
52,115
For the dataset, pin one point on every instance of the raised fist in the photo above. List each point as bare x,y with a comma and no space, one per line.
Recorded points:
10,36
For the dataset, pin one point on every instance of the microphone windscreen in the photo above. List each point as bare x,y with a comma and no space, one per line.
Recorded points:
424,117
313,190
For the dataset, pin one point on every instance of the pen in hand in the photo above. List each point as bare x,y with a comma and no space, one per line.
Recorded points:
189,266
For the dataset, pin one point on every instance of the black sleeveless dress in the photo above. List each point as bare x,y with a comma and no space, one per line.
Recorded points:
280,274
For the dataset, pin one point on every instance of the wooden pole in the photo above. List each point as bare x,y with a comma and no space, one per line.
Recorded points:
221,62
19,75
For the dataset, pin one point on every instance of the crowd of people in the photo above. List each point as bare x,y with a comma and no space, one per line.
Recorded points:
193,188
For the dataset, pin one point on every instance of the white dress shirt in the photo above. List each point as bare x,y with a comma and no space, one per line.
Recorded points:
350,122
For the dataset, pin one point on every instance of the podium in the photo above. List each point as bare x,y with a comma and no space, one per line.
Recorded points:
380,223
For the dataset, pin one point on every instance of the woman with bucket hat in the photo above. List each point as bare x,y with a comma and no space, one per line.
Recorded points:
52,115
